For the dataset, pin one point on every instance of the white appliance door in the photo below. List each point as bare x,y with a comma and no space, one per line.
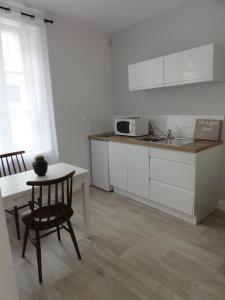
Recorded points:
100,165
122,127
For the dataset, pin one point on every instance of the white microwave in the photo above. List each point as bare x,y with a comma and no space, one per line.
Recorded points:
133,126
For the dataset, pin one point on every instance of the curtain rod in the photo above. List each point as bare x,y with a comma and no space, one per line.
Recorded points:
8,10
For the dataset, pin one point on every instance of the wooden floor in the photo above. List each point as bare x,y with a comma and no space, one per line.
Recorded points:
136,253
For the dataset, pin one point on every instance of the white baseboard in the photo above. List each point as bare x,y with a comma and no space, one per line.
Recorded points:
221,205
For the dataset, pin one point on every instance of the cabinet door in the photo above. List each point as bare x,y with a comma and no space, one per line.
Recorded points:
100,164
145,75
194,65
172,197
118,165
177,174
138,170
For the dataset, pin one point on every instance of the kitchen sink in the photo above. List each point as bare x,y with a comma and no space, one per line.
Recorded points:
152,139
175,142
162,140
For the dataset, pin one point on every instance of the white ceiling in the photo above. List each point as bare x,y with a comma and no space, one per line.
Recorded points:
105,15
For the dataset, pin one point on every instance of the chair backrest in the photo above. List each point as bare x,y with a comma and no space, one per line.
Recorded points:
12,163
58,191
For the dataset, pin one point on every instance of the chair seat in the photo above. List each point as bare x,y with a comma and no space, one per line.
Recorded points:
47,217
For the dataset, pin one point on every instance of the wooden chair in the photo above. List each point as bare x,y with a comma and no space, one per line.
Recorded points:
13,163
50,213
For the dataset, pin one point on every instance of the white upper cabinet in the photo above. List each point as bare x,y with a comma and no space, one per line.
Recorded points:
194,65
201,64
146,75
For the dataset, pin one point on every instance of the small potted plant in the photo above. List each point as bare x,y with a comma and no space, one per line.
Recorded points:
40,165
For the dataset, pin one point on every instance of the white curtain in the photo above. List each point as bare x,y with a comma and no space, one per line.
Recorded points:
26,107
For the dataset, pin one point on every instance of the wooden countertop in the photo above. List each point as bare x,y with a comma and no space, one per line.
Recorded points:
194,147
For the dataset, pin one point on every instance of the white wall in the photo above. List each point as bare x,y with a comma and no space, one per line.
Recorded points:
80,72
194,23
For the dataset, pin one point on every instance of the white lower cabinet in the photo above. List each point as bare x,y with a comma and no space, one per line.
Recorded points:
129,168
172,179
183,184
118,165
172,197
138,170
176,174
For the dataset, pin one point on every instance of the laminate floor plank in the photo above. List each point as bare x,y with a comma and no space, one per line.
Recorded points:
196,271
153,269
136,253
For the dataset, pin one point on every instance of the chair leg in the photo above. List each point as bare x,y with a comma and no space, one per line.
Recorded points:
38,249
25,241
73,237
58,233
17,222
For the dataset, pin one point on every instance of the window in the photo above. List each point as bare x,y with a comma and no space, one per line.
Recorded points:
26,114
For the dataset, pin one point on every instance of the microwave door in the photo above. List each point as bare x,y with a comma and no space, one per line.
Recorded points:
123,127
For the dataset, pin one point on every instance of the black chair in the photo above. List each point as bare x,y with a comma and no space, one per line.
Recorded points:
13,163
50,215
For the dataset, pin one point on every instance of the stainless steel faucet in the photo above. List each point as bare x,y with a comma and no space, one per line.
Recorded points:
167,135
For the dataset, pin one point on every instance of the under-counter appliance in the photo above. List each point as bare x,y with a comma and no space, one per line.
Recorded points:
100,165
131,126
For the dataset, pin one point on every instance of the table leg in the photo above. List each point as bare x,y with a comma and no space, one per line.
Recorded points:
86,207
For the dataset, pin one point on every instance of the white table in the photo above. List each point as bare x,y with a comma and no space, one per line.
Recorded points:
14,188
